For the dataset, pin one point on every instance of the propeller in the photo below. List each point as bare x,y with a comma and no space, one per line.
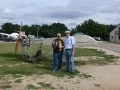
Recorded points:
18,40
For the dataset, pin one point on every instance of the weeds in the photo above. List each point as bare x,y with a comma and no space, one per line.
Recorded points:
18,81
30,86
5,86
47,86
98,85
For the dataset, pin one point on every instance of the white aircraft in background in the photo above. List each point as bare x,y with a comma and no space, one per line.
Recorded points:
9,37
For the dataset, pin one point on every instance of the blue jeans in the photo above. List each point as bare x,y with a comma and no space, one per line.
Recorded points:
69,60
57,59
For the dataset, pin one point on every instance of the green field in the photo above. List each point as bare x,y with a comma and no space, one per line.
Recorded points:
11,63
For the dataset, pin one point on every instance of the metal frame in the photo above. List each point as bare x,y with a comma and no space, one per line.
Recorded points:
26,44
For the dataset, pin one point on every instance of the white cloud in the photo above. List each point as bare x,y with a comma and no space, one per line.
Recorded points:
69,12
7,10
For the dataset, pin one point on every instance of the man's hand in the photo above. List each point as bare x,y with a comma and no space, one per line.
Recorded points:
72,52
61,46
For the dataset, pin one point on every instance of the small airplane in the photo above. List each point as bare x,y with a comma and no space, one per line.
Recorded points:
9,37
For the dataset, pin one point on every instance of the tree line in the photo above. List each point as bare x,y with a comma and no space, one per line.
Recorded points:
44,30
88,27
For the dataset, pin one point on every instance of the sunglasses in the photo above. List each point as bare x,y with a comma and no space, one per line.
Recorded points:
58,36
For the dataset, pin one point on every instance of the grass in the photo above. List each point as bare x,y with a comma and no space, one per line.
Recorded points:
46,86
30,86
84,75
19,69
17,76
1,76
11,63
5,86
98,85
18,81
94,52
61,88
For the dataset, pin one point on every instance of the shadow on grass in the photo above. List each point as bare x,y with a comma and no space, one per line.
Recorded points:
45,61
44,66
10,55
10,58
47,69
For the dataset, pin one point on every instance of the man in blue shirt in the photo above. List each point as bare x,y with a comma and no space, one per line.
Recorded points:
69,45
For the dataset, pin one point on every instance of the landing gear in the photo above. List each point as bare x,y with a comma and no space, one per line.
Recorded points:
26,57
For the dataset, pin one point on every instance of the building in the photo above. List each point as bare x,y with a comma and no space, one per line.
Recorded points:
115,34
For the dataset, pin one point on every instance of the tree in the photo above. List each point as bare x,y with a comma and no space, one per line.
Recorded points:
26,29
9,27
92,28
88,27
58,28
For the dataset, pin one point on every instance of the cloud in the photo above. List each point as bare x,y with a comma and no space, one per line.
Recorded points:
66,14
8,17
69,12
7,10
72,24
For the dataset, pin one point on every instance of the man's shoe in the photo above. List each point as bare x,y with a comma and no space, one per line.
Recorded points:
72,72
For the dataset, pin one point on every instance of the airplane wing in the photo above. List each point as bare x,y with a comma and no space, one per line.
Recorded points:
5,34
14,36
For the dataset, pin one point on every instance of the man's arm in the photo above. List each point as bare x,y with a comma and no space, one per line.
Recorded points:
73,47
54,44
73,44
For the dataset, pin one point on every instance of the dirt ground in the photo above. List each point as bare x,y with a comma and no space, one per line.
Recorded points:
108,76
105,77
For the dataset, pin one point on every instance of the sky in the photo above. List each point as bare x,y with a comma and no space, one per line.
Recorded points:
69,12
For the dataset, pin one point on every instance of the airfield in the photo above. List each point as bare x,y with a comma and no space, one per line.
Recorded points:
97,68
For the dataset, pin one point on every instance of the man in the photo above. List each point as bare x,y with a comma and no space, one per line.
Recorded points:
69,45
57,45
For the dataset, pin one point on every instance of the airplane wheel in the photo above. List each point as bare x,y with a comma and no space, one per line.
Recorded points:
23,58
34,60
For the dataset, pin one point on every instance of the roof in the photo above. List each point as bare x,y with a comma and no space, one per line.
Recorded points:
116,27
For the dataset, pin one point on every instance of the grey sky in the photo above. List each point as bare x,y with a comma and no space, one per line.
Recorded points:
69,12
